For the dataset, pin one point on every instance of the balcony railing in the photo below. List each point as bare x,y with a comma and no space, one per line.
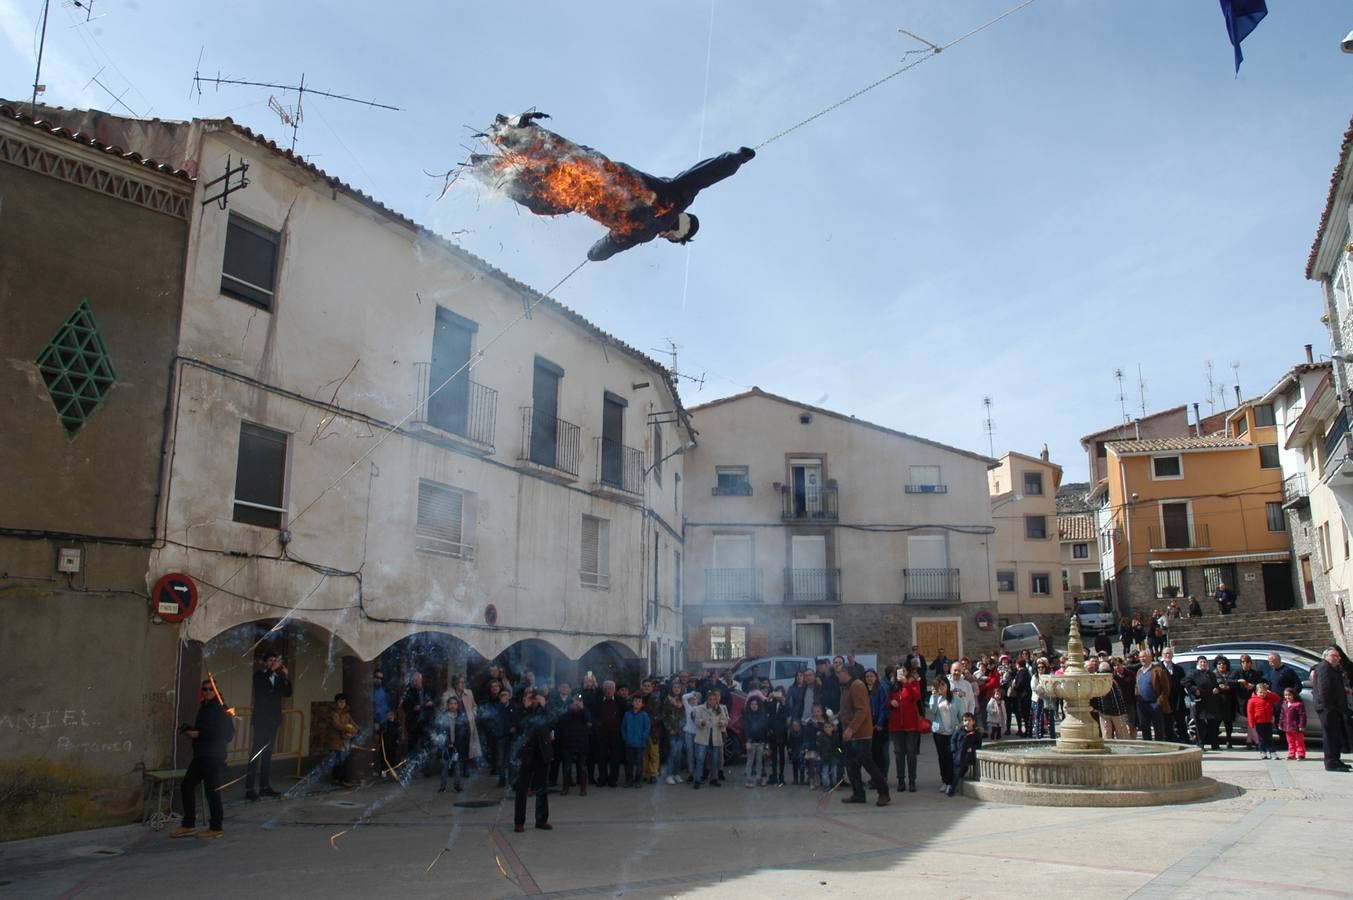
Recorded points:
1193,537
460,406
548,441
930,586
812,585
735,489
927,489
1336,433
819,504
620,467
1294,489
733,586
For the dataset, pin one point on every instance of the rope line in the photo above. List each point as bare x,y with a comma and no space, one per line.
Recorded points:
465,368
924,55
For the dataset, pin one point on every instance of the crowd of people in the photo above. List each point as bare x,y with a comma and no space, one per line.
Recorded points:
834,725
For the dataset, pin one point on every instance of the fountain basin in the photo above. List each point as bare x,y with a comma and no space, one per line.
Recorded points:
1127,773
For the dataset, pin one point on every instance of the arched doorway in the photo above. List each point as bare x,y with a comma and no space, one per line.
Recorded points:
612,660
546,661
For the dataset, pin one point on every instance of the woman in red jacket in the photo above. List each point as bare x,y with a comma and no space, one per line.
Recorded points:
905,725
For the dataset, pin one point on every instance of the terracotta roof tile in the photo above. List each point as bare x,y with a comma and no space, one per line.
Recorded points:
17,115
1076,528
1337,177
1158,445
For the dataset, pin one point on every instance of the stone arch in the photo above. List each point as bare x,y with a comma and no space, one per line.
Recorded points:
613,660
550,664
438,655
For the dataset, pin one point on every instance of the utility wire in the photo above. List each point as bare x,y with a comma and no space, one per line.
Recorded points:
909,64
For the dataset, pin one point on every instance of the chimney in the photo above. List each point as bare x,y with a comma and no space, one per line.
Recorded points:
1237,396
1197,421
1043,454
1309,358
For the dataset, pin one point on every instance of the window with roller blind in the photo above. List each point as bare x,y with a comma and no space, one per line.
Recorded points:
595,567
445,520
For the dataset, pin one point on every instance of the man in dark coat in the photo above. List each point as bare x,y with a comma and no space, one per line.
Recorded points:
551,175
1331,705
573,734
211,734
915,659
606,725
1176,720
1020,697
533,762
1226,599
419,711
1205,690
272,685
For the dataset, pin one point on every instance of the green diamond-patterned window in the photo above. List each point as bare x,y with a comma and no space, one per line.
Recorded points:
77,369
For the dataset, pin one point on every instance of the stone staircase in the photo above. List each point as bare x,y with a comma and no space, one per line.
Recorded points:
1302,627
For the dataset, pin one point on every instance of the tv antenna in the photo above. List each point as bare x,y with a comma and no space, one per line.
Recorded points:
1141,389
676,373
291,116
1235,367
1211,388
989,428
1122,395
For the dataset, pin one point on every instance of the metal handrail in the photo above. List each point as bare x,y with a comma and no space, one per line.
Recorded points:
289,733
619,466
812,585
461,407
930,586
733,586
808,506
549,441
1196,537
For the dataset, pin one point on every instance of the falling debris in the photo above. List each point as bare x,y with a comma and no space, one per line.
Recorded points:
333,838
550,175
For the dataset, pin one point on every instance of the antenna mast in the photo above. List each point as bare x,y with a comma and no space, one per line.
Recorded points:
1235,367
1211,388
1122,395
988,427
290,116
1141,389
37,73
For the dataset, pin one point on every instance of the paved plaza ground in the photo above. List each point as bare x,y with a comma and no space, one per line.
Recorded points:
1275,829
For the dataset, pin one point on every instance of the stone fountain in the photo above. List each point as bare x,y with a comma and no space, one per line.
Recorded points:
1080,768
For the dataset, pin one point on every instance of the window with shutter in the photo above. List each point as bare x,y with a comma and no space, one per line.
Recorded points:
442,520
249,267
595,565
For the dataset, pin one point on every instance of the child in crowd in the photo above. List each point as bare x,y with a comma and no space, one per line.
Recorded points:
964,745
777,711
1259,714
453,739
755,728
996,713
796,761
1292,720
634,731
828,755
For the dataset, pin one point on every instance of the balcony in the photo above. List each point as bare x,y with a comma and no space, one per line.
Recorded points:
812,585
459,407
549,442
733,586
1188,537
809,506
930,586
619,468
1294,491
927,489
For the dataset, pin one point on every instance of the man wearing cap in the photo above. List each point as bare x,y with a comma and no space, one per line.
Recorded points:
272,685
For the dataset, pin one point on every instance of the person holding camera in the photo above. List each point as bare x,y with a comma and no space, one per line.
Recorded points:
272,685
211,735
536,752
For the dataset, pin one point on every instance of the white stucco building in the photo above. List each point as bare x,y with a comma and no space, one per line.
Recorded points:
810,532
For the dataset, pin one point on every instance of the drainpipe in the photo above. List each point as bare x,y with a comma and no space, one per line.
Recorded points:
1127,513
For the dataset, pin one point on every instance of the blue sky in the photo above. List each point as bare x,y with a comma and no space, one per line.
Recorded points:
1082,187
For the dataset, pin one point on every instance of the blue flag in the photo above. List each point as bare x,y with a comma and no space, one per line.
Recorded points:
1241,18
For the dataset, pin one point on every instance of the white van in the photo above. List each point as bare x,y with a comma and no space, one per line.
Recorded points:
1022,636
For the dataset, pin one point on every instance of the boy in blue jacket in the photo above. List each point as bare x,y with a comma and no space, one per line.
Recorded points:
634,731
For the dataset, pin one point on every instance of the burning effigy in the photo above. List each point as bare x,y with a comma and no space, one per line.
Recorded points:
551,175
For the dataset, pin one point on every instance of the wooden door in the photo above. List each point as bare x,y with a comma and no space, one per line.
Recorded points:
934,634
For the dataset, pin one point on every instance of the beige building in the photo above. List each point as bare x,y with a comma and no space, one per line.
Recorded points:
1081,578
809,532
1026,555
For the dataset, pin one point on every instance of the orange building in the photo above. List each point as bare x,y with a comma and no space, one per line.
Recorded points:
1191,513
